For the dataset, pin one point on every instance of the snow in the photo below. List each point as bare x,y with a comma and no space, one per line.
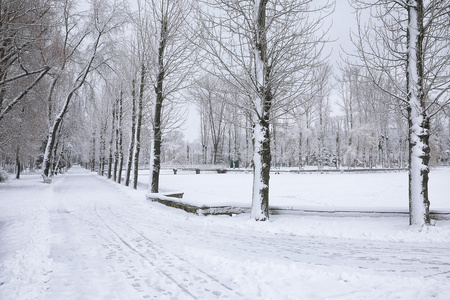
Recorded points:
258,184
369,191
85,237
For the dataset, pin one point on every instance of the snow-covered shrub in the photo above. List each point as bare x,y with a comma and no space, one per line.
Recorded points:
47,179
3,175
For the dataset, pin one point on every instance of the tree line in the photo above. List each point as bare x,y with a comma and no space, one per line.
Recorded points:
108,86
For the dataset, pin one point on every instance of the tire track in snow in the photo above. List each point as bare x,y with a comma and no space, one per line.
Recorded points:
175,255
174,265
93,271
405,258
143,256
147,279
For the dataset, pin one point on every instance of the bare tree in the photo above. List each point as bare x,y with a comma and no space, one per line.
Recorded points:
22,132
102,147
137,139
115,134
266,50
111,142
210,96
173,54
101,23
369,118
24,26
411,50
133,134
139,60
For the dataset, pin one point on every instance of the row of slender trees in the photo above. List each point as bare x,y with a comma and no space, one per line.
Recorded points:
361,128
48,51
108,85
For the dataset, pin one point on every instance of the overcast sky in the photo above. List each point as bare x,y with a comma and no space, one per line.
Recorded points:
343,20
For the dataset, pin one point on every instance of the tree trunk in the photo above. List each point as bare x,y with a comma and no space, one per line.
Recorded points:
300,145
261,133
215,151
138,127
60,156
156,149
101,167
93,142
250,141
261,170
119,177
50,99
203,135
419,150
54,156
133,135
230,161
17,163
52,139
236,152
116,135
338,149
111,143
155,161
321,136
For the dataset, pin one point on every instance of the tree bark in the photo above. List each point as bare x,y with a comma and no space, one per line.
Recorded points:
155,160
111,143
156,149
17,163
52,139
60,156
300,145
419,125
93,142
55,151
50,99
101,167
261,132
116,141
261,170
133,135
203,134
119,177
138,127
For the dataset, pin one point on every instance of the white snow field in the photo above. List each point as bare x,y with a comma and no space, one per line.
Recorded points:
384,191
85,237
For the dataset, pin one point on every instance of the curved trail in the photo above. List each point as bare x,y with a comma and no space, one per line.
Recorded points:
107,246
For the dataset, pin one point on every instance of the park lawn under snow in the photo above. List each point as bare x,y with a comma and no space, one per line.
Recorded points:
384,191
85,237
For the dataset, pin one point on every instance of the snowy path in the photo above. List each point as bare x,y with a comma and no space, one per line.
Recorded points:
105,242
137,266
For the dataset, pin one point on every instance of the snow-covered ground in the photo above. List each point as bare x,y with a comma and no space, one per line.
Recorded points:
84,237
377,191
